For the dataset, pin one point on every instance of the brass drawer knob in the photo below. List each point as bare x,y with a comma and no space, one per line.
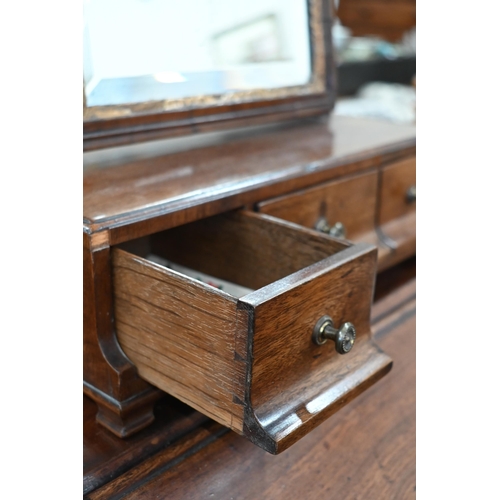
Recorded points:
411,194
337,230
343,337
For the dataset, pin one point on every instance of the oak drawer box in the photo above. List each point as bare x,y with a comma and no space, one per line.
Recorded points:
250,362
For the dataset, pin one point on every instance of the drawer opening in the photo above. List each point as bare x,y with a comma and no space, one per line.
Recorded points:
233,289
240,248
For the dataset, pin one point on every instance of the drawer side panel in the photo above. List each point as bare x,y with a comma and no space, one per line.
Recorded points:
181,336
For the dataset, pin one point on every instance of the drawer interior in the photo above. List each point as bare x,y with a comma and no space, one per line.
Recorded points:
247,249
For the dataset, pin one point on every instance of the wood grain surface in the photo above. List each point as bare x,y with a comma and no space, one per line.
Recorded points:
397,178
295,383
246,248
106,456
366,451
397,216
125,401
250,364
352,201
150,194
282,348
180,334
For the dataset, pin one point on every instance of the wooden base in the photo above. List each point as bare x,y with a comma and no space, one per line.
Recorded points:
124,418
106,456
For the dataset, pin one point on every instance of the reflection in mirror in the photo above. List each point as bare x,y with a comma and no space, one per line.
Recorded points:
150,50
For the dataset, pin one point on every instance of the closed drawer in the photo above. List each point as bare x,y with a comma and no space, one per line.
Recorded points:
247,358
351,202
397,215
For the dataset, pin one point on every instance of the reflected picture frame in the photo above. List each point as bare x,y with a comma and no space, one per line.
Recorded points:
122,124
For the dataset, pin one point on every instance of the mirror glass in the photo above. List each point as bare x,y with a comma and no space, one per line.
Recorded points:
150,50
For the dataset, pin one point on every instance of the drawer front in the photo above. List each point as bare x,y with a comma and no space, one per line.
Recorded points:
396,196
250,362
296,384
351,202
397,216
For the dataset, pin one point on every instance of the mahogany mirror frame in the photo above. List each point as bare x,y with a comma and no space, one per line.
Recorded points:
115,125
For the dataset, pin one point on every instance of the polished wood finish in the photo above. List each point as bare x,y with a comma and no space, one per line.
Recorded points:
397,178
366,451
397,215
180,334
373,207
351,200
153,194
141,128
125,401
250,364
156,464
106,456
110,126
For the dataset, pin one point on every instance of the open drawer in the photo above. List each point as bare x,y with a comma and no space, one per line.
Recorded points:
251,362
